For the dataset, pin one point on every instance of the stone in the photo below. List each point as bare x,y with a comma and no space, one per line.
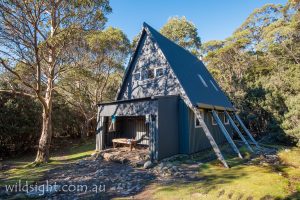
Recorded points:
148,164
177,174
165,169
161,165
168,164
113,188
174,168
99,172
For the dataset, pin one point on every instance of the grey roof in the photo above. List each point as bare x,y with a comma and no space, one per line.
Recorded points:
199,85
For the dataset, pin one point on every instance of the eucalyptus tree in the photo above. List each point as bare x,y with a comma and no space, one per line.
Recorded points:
258,66
35,34
184,33
96,72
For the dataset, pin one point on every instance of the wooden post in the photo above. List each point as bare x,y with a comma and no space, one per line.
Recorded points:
100,134
238,131
153,146
97,132
210,137
246,130
226,134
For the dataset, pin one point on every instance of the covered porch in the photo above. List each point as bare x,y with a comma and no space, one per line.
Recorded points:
128,124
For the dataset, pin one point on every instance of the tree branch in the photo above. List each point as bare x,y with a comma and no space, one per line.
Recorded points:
18,92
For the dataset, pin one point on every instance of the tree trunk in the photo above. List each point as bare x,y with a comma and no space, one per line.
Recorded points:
45,140
85,129
46,136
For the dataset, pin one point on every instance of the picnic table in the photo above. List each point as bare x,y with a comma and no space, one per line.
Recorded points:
131,142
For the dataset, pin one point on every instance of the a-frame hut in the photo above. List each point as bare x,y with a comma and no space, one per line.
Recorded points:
170,102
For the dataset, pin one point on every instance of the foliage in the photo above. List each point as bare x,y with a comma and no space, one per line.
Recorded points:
19,124
184,33
258,67
36,36
95,74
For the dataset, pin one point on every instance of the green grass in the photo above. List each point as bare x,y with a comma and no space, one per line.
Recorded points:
22,169
240,181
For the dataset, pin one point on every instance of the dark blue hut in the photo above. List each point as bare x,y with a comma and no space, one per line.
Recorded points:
170,102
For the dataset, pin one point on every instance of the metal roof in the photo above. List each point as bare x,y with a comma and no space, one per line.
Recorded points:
199,85
197,82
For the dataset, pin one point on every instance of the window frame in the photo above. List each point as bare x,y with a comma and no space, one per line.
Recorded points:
140,76
213,121
163,71
195,119
145,74
224,120
153,74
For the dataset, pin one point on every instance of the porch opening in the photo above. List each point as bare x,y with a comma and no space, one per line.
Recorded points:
127,130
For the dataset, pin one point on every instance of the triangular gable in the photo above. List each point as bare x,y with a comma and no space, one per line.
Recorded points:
196,81
148,56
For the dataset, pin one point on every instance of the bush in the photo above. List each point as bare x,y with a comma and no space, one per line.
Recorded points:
20,124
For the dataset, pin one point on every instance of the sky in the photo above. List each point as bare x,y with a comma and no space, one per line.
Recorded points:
215,19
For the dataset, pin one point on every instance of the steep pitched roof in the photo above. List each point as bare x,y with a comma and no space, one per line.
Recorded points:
197,82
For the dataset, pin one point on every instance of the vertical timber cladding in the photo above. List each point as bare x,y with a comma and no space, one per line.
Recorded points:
100,133
198,140
134,127
168,127
184,135
135,110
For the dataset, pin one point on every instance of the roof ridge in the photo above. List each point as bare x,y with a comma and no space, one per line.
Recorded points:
151,29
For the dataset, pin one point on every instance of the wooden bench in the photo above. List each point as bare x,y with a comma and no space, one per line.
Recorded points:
131,142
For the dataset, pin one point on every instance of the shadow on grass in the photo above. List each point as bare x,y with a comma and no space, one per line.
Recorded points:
244,180
293,196
23,168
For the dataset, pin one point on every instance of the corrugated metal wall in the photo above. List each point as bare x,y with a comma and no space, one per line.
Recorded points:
168,127
183,128
198,140
128,127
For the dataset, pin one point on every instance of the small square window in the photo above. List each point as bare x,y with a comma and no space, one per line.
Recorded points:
159,72
213,121
226,120
150,73
197,122
144,75
137,76
147,74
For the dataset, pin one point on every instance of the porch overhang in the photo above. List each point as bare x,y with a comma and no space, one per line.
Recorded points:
213,107
129,107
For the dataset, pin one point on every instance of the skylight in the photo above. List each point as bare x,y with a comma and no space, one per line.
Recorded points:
202,80
214,85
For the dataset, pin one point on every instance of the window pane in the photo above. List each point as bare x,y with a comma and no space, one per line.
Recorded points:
159,72
226,120
150,73
136,76
197,122
144,75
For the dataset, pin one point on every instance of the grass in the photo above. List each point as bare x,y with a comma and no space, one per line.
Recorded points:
241,181
21,168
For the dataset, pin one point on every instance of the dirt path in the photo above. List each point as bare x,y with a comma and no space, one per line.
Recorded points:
94,179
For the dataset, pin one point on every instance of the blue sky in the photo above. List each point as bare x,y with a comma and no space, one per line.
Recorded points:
215,19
